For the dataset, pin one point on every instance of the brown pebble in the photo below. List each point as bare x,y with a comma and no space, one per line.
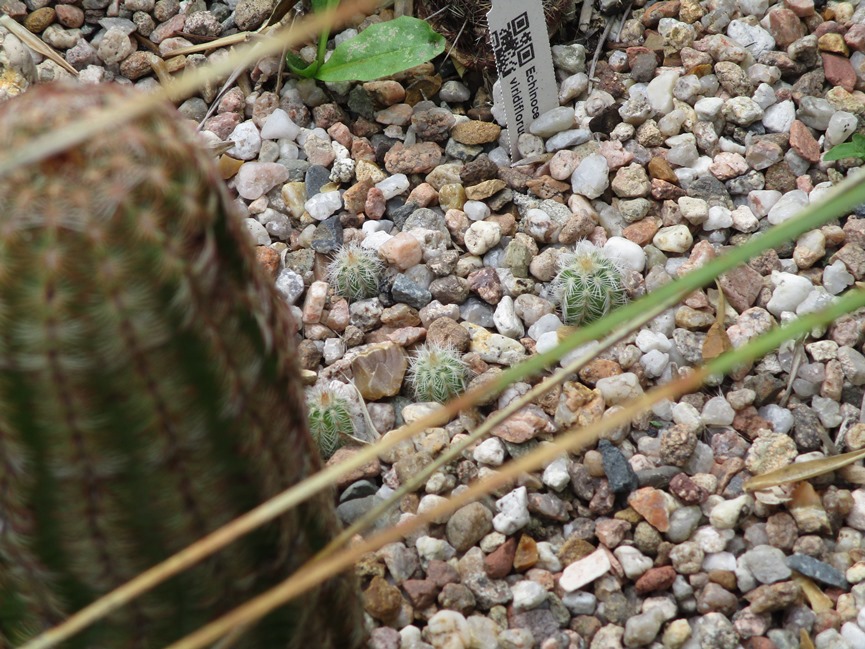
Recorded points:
526,555
499,562
39,20
656,579
268,259
659,168
472,132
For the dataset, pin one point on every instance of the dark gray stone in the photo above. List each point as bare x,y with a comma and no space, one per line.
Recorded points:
818,570
408,292
316,177
620,475
327,237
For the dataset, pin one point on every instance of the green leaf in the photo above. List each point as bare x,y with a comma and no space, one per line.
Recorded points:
383,49
300,67
854,149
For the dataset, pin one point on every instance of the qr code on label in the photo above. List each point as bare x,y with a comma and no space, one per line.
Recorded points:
512,45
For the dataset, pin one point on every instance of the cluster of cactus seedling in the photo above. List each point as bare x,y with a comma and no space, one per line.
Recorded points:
437,373
588,285
149,391
354,272
329,420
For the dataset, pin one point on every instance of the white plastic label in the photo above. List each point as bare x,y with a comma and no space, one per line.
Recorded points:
521,45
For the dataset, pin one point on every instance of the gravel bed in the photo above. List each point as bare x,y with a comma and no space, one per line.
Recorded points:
703,125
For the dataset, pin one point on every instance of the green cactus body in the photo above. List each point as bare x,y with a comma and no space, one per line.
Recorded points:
148,391
437,373
588,285
354,272
329,420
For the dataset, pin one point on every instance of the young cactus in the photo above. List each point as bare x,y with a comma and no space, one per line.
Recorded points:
588,285
149,391
329,420
355,272
437,373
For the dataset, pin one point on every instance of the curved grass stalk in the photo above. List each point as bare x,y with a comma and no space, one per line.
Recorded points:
119,112
491,422
841,200
317,571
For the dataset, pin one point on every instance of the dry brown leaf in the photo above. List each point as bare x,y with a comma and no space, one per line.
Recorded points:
803,470
717,341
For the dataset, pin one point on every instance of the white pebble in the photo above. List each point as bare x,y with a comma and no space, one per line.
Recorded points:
726,514
393,186
481,236
660,91
647,340
779,117
556,475
448,630
258,232
254,179
790,291
528,595
836,278
841,126
592,177
323,205
490,452
719,218
654,363
717,412
476,210
513,512
278,126
553,121
624,251
247,141
674,238
788,206
506,320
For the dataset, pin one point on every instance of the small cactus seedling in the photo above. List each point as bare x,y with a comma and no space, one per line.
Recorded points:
437,373
149,391
354,272
329,420
588,285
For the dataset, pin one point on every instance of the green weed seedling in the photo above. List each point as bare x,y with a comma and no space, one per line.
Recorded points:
853,149
378,51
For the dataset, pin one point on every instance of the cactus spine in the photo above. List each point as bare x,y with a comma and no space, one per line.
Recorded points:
329,420
437,373
588,285
354,272
148,391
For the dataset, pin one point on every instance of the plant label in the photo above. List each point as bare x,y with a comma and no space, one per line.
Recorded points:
521,45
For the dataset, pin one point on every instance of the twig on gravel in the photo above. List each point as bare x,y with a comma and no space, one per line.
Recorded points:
585,16
622,23
36,44
598,51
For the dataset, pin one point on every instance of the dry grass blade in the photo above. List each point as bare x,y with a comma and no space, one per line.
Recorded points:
717,341
36,44
122,111
803,470
317,571
820,602
846,195
489,424
307,577
225,41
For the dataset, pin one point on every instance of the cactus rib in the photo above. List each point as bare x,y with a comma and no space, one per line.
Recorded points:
149,391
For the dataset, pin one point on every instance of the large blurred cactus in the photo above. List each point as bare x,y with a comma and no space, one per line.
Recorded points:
148,391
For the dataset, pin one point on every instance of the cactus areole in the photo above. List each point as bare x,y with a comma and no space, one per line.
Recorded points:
149,391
